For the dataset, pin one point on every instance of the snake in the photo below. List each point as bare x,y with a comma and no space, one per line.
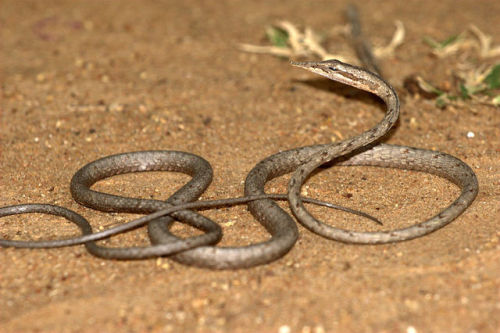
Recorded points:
201,250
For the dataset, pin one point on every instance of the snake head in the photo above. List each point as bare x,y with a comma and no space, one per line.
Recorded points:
339,71
331,65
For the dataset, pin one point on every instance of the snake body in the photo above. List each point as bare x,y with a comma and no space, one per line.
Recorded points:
201,250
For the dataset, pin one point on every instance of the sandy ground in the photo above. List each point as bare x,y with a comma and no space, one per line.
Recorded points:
81,80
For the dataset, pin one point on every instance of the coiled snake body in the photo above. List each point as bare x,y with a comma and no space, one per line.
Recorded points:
200,250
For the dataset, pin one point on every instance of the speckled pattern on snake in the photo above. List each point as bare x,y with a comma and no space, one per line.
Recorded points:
201,250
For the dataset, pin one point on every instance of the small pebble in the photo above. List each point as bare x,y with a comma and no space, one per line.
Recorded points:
284,329
40,77
470,134
228,223
319,329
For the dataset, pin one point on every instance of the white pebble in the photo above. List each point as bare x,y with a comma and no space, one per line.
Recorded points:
470,134
411,329
284,329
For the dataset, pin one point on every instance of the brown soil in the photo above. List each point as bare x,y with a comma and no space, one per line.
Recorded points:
81,80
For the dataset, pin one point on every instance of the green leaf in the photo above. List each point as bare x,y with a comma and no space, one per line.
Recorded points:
440,45
464,92
449,40
493,78
277,37
431,42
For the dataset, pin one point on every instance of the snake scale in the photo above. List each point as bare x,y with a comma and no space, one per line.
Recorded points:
200,250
